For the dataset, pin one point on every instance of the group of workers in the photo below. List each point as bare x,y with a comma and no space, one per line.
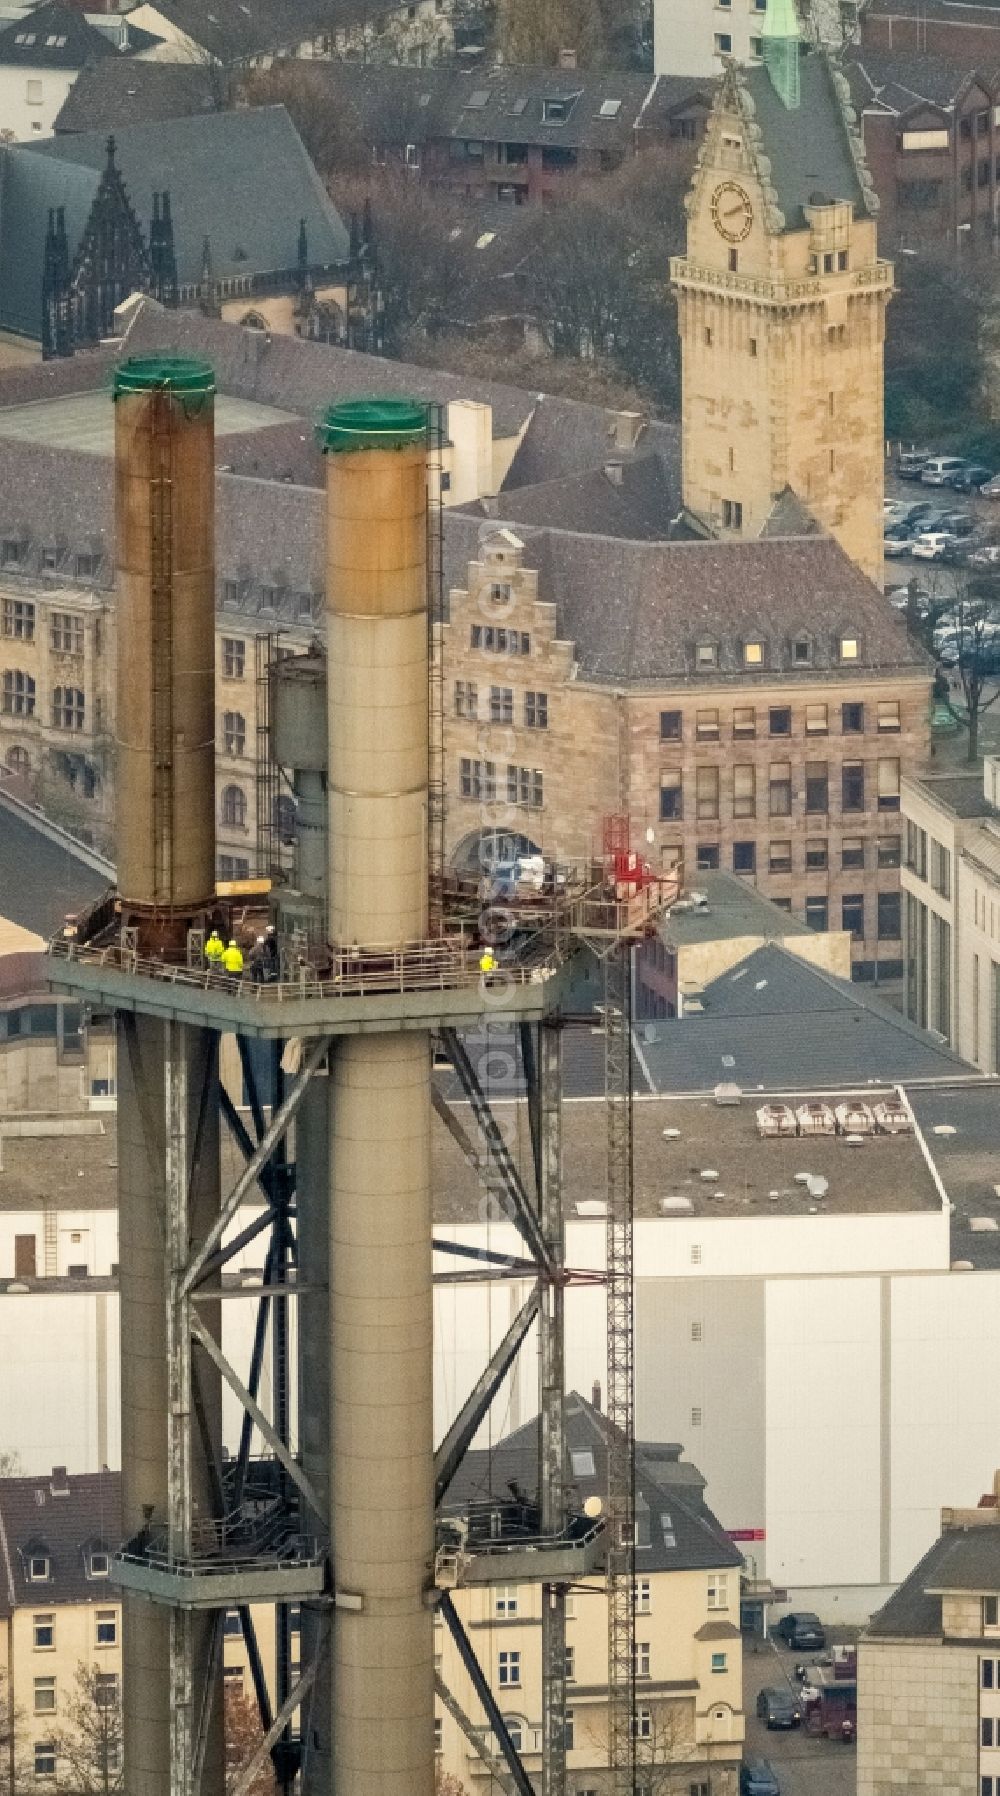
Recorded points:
227,957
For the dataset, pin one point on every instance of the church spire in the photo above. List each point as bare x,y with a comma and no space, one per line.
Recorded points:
782,48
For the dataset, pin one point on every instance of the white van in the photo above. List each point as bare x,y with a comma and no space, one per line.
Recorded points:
940,470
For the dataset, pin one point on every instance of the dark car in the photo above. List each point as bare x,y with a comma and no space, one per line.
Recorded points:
959,523
801,1629
757,1779
777,1707
971,477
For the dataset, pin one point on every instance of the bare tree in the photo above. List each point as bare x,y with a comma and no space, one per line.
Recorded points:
447,1784
89,1743
243,1735
14,1773
974,618
331,133
10,1465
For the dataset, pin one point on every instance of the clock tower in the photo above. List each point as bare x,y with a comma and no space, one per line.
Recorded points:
781,303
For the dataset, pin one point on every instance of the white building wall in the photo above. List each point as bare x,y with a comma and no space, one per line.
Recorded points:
689,36
30,99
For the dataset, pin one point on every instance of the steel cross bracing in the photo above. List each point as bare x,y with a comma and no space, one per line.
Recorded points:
436,804
620,1375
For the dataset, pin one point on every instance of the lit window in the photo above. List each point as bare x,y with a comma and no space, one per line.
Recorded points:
848,648
753,654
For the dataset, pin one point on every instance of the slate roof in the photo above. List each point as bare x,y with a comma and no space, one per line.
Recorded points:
43,874
31,1516
802,1030
60,37
895,81
808,146
234,29
962,793
962,1559
115,94
669,1501
630,496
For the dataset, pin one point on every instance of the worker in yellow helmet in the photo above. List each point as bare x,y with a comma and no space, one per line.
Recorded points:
232,960
214,948
487,961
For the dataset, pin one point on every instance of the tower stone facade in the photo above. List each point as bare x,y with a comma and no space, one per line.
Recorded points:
781,305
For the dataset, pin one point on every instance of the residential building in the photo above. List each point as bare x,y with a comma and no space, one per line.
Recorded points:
42,54
931,129
965,31
929,1667
252,33
951,897
781,306
757,742
694,37
222,211
689,1692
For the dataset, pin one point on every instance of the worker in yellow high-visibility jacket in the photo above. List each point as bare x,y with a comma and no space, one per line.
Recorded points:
215,948
487,962
232,960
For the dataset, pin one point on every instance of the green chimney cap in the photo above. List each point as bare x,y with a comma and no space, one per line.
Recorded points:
373,424
185,375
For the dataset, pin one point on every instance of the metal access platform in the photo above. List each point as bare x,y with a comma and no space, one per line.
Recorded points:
239,1560
504,1543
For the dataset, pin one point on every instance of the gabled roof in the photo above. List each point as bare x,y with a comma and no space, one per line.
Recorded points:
633,496
676,1529
963,1559
232,30
117,93
67,1526
897,81
43,873
58,36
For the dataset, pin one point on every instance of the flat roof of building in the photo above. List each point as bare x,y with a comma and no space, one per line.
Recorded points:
961,1125
86,421
960,793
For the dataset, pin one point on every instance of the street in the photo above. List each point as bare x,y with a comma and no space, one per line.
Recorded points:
804,1767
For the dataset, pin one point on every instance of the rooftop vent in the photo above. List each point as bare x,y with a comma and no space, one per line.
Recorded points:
855,1119
676,1206
776,1119
816,1119
727,1093
892,1117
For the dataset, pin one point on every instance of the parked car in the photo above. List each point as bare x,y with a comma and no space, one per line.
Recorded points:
777,1707
930,545
973,476
957,646
940,470
909,463
801,1629
991,490
757,1778
898,541
986,557
958,523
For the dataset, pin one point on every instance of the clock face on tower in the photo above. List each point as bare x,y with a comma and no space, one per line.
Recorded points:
732,213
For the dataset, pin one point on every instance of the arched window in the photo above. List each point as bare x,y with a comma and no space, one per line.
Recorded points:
284,817
253,321
67,708
234,732
18,693
515,1728
234,807
18,760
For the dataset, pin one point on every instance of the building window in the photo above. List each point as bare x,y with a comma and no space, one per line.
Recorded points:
744,857
497,641
501,704
643,1725
753,654
671,795
986,1730
707,857
780,720
45,1696
852,783
817,720
571,1665
671,726
723,43
991,1617
816,854
234,866
234,807
106,1690
641,1658
817,788
231,1626
234,657
44,1632
888,716
889,925
99,1565
706,792
779,858
39,1567
848,648
45,1752
66,633
231,592
852,852
706,656
466,699
989,1677
234,733
85,566
18,759
706,726
888,851
744,723
643,1596
67,708
19,620
940,868
438,1734
719,1662
802,651
536,710
525,786
817,911
477,779
515,1731
852,719
569,1730
888,785
732,514
505,1600
509,1664
852,915
745,790
106,1627
780,789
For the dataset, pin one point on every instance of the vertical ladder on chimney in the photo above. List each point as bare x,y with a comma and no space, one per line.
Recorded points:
435,668
161,661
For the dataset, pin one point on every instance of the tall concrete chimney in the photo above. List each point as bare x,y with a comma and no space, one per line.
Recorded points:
381,1451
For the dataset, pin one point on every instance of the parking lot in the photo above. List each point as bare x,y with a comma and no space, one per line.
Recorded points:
899,569
804,1766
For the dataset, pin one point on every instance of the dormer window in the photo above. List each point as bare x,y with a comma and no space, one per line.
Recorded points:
753,654
801,651
848,648
39,1566
706,656
99,1564
557,111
